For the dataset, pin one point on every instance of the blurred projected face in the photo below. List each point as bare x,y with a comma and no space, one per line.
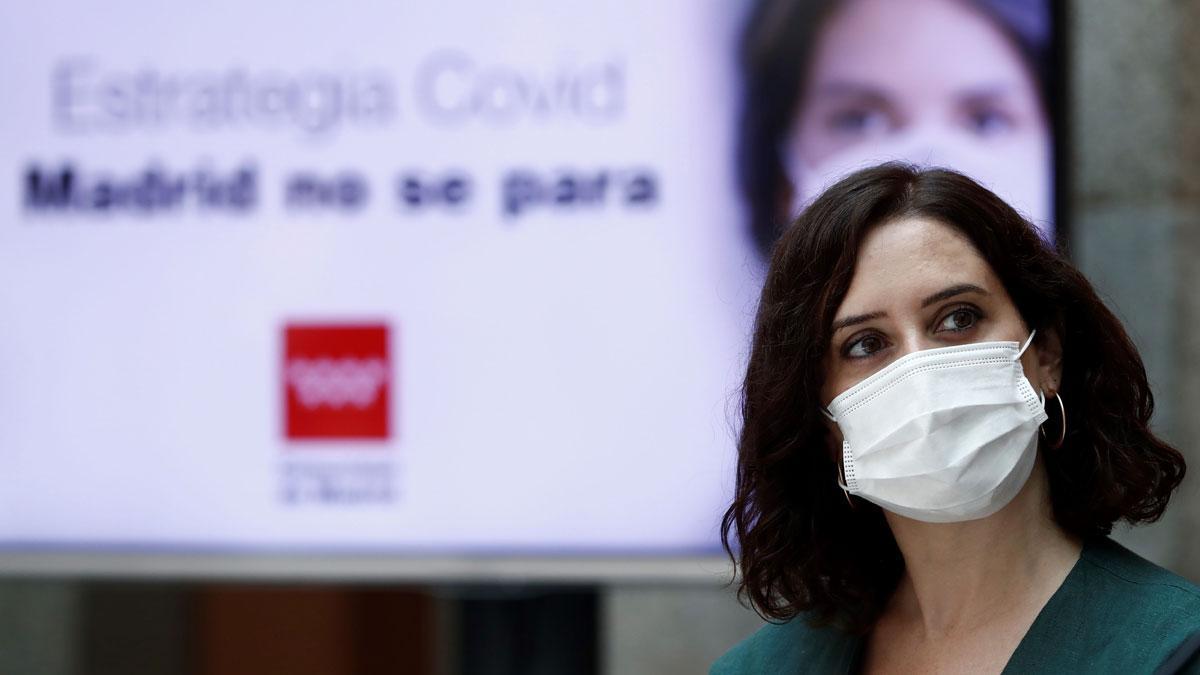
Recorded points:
932,82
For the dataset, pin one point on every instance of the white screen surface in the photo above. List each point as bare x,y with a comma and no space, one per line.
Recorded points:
453,282
528,205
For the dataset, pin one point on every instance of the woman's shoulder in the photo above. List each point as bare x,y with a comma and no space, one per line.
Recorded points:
786,647
1141,589
1123,610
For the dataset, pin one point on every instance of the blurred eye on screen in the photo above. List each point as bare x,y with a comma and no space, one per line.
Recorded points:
859,121
988,120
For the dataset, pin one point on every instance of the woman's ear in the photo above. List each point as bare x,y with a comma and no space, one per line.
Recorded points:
1049,360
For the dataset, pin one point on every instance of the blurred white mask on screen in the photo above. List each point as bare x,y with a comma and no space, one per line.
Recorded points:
1018,170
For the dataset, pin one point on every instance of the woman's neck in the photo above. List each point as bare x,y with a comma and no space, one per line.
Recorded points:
961,576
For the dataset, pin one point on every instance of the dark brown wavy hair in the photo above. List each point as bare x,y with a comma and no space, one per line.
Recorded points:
799,545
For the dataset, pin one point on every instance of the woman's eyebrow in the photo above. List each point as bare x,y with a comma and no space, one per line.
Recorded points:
950,292
855,319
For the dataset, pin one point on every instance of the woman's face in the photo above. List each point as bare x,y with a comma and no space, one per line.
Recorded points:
919,284
932,82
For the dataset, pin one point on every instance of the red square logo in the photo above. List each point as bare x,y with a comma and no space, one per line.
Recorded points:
336,381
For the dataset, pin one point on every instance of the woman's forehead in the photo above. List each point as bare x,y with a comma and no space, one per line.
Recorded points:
909,259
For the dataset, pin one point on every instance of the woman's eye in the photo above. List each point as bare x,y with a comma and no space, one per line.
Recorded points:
959,320
865,346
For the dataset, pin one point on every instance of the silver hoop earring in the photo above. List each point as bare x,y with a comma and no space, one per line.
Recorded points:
1062,431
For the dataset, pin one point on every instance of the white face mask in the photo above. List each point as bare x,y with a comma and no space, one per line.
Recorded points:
942,435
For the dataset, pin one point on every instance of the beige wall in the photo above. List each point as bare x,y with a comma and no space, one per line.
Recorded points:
1135,138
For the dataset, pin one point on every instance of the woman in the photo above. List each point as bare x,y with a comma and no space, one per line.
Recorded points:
941,424
835,85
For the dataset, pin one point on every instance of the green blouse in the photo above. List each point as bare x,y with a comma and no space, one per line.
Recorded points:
1114,613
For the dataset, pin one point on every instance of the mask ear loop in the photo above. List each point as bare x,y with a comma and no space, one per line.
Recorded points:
1028,341
841,482
838,469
